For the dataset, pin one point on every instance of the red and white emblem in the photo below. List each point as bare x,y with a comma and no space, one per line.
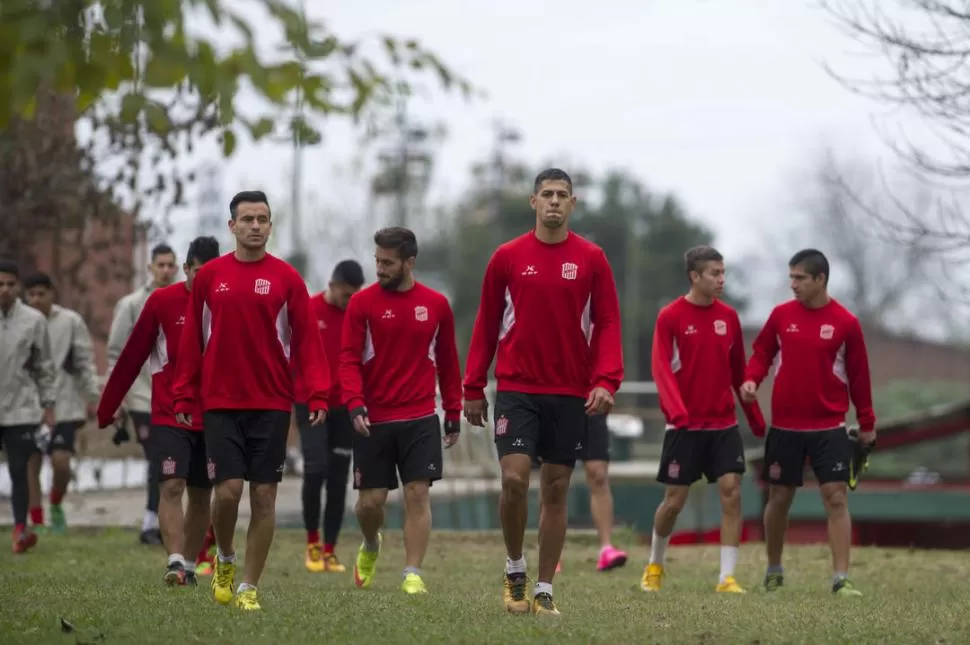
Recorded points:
673,470
168,466
501,426
825,332
720,328
775,471
357,477
569,270
211,468
421,313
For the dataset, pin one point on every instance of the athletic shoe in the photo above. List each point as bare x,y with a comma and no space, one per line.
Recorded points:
413,584
174,575
610,559
333,564
203,568
844,587
730,585
23,539
514,589
774,581
222,581
313,559
653,577
58,522
246,599
366,564
543,605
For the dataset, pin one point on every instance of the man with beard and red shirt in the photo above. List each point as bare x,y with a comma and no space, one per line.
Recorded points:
248,312
542,295
327,451
698,366
398,336
822,364
179,452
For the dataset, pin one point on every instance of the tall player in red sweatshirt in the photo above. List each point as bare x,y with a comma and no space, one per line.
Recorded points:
327,451
248,311
698,366
541,295
180,453
821,364
398,334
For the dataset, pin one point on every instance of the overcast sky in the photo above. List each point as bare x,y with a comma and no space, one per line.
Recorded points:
725,104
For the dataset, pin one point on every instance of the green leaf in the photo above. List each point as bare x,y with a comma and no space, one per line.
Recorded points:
163,72
131,107
228,142
261,128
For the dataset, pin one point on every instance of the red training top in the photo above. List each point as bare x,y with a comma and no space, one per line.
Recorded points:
155,338
698,366
393,343
242,321
330,322
538,307
821,362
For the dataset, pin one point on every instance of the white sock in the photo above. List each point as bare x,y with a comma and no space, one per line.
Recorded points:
243,586
226,558
543,587
658,548
150,522
515,566
729,559
176,557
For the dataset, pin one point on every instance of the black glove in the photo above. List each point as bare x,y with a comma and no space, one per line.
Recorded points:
359,411
121,431
453,426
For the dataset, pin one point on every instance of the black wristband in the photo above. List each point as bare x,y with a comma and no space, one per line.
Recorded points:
453,427
359,411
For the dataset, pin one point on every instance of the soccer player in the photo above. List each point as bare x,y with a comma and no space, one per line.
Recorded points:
77,395
698,366
397,335
179,453
247,312
541,294
28,384
822,365
138,403
327,452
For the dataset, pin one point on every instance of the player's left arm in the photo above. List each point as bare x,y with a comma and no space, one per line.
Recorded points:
449,372
857,373
752,410
607,342
307,344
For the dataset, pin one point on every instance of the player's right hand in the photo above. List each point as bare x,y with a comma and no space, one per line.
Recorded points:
359,418
184,418
749,391
476,412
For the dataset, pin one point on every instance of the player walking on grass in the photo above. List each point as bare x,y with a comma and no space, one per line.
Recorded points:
27,393
77,396
698,366
541,295
327,451
821,365
248,310
180,453
398,334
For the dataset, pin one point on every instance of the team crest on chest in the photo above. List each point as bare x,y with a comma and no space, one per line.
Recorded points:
825,332
569,271
261,287
421,313
720,328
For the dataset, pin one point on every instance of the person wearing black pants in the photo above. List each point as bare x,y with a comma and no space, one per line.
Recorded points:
150,533
27,394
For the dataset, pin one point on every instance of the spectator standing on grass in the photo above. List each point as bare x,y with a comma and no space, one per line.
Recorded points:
77,396
138,402
28,394
399,335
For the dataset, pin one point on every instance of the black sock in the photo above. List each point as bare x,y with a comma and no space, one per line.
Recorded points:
312,487
333,514
19,445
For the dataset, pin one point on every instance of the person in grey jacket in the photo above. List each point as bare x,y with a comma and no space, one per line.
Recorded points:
27,393
138,403
77,395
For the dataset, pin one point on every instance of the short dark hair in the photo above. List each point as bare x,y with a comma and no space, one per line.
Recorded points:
248,197
38,280
9,266
696,257
399,239
348,272
202,249
162,249
812,261
552,174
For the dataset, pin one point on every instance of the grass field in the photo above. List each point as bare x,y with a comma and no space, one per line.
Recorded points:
111,591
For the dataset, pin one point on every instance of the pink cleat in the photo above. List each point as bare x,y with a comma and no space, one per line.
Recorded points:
610,559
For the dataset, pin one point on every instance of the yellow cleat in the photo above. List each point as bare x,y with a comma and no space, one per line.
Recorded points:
366,564
543,605
314,559
203,569
247,601
514,593
653,577
222,581
332,564
413,584
730,585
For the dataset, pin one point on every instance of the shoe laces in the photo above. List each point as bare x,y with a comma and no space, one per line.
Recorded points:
516,583
544,600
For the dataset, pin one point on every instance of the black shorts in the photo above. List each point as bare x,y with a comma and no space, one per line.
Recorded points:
320,444
689,455
598,441
63,436
787,452
180,454
246,444
409,448
549,428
